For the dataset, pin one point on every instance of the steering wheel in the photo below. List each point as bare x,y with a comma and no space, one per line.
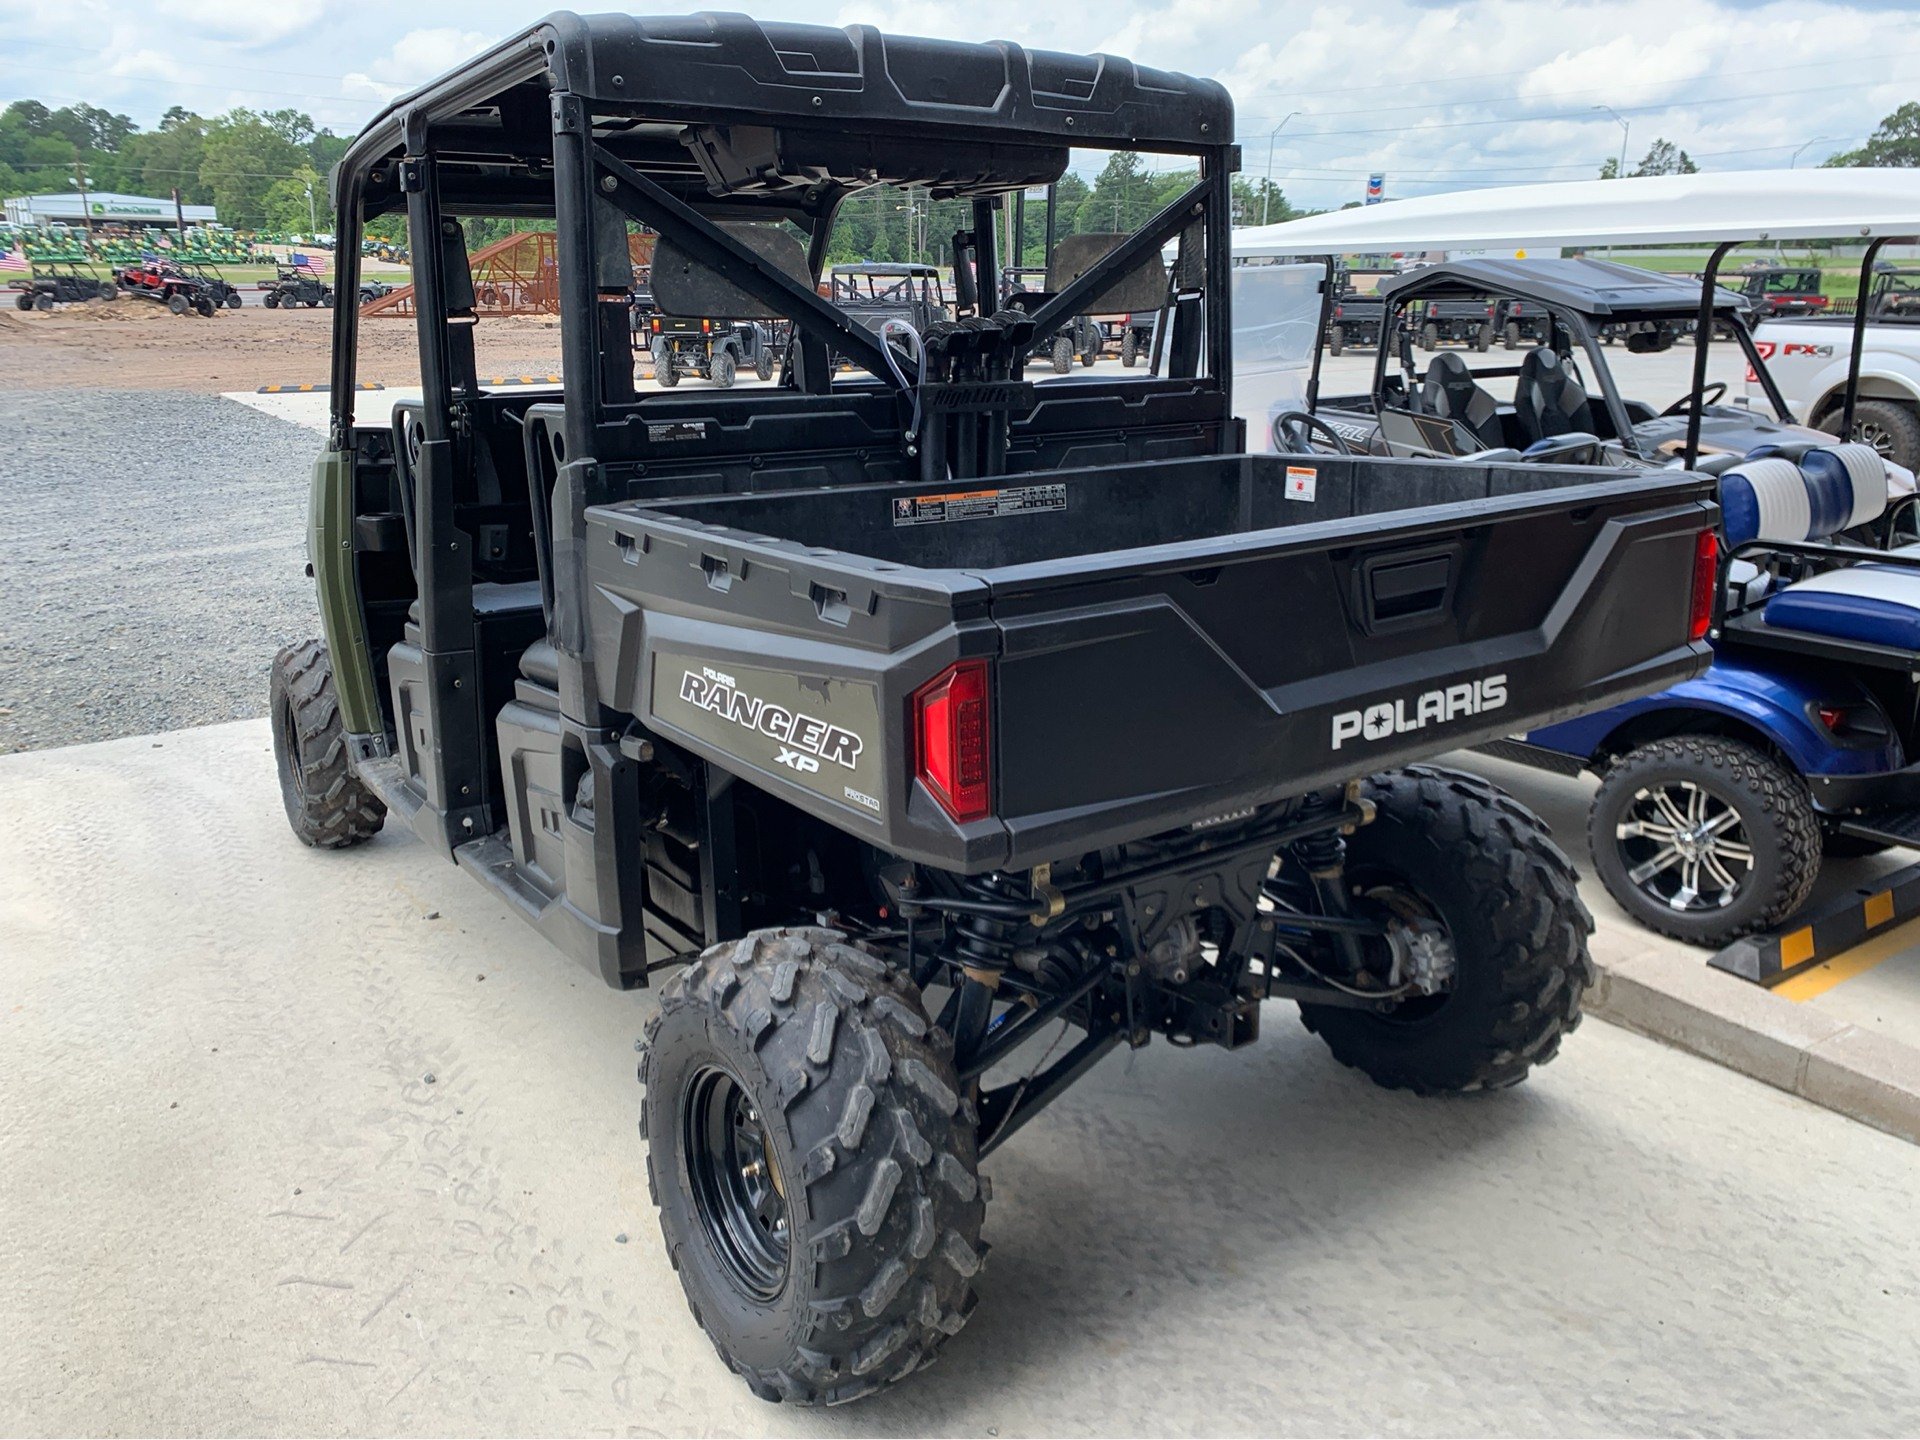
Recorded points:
1708,396
1293,432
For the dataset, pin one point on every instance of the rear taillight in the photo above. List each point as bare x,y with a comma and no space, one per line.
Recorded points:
1834,717
656,324
952,735
1706,579
706,327
1338,311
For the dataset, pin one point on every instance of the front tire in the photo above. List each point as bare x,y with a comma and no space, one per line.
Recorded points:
1130,349
1704,838
1062,355
1484,867
722,369
326,804
814,1164
1510,337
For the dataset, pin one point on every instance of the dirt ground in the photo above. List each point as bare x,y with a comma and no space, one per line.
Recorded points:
133,345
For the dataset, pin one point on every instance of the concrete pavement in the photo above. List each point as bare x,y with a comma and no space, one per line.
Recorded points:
302,1143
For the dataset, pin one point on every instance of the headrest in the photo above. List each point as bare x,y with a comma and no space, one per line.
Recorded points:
1846,486
1764,500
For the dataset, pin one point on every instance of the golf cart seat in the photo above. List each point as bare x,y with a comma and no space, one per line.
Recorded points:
1832,489
1548,401
1451,393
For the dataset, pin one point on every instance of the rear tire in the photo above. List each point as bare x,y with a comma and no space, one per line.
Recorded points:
1775,828
326,804
1483,339
665,370
1062,355
1510,337
722,369
810,1059
1336,340
23,301
1130,349
1429,337
763,367
1891,428
1485,867
272,301
43,303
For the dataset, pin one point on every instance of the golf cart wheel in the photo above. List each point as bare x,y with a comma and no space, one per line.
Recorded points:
1429,337
763,367
1062,355
1456,855
43,303
1704,838
326,804
1892,429
1483,339
1336,340
814,1164
1130,349
722,368
272,302
1510,337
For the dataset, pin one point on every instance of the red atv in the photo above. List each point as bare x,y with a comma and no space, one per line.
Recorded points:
165,283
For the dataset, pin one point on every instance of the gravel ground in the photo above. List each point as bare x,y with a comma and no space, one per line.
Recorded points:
155,554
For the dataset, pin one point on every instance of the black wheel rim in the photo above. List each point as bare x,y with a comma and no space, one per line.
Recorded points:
1684,847
736,1183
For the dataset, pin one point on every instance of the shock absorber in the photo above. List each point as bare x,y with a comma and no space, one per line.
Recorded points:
1323,855
983,948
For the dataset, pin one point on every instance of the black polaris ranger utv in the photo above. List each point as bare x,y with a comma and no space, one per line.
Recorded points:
920,716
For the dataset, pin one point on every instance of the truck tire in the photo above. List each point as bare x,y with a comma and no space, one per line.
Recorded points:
1062,354
1769,849
326,805
807,1058
721,369
1510,337
1485,868
1890,427
1336,340
1130,349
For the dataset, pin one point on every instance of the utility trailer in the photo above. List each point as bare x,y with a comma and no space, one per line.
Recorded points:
941,731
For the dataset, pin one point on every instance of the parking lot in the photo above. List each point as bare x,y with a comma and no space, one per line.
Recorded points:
304,1142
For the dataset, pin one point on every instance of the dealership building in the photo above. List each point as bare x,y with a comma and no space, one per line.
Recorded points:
103,207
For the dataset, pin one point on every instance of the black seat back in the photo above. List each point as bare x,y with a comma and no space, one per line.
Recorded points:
1548,400
1451,392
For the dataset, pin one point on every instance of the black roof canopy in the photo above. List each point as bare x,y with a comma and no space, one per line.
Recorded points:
748,117
1601,288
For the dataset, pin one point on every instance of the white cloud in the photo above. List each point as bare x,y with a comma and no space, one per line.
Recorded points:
416,57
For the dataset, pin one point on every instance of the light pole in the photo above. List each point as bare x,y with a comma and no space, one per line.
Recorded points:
1818,139
1621,172
313,222
1266,195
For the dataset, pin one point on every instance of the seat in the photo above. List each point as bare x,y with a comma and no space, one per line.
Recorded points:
1547,400
1451,392
1869,604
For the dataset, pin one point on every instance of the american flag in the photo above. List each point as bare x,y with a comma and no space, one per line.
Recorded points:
311,264
13,262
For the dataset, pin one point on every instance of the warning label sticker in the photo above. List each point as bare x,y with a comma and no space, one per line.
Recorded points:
1301,480
978,504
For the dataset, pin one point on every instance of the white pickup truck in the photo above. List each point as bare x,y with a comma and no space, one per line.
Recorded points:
1808,361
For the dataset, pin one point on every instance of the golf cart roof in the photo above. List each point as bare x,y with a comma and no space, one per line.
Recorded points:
1586,287
759,118
1651,210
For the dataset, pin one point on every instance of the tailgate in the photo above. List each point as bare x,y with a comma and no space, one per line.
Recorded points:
1155,695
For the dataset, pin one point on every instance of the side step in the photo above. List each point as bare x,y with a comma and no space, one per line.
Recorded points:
1890,827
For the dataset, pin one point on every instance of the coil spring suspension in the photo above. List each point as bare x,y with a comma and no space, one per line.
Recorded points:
983,949
1323,855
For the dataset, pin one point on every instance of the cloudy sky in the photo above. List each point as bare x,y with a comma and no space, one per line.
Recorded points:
1438,96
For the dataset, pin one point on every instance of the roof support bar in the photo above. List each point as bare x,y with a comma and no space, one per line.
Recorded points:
1862,303
1703,337
736,264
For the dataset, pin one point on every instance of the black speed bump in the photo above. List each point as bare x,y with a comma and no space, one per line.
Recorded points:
1832,930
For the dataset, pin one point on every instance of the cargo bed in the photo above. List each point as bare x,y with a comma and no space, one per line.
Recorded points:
1167,641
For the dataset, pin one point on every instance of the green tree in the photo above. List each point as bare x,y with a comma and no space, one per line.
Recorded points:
160,160
245,153
1895,143
1610,170
1665,158
297,203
